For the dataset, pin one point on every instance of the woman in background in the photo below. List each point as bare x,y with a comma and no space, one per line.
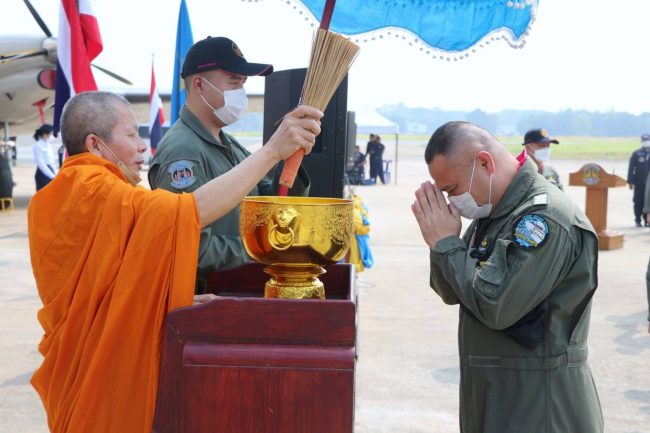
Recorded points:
43,156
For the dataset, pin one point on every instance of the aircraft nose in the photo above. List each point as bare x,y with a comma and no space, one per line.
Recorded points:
50,45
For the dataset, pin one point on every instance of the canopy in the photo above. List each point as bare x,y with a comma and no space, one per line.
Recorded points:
440,25
368,120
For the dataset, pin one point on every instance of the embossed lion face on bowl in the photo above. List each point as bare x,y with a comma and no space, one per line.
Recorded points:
296,235
303,230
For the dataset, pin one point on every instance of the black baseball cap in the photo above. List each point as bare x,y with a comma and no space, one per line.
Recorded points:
220,53
645,137
538,136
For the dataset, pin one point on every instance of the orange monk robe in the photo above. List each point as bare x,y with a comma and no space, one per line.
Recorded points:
110,261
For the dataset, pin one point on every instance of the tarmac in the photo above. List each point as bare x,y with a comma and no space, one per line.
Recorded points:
408,372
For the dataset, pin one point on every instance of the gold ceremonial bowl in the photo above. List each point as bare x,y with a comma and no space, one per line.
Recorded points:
296,236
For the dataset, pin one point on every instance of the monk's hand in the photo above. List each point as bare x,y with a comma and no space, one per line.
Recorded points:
436,218
202,299
298,130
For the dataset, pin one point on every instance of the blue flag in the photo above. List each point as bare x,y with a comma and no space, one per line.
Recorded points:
184,41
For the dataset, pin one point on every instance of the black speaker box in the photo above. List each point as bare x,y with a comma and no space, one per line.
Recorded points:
326,163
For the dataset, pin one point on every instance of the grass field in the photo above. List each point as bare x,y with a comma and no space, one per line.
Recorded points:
582,148
587,148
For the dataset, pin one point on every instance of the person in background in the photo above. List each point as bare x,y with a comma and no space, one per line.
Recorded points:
637,174
61,152
538,147
43,156
357,172
375,152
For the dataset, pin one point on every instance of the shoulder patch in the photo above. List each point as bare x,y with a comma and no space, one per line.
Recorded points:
530,231
181,173
540,199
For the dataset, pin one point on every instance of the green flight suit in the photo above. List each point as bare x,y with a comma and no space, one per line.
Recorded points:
551,174
524,278
189,156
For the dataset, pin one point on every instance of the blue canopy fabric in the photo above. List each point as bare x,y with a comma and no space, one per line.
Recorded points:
447,25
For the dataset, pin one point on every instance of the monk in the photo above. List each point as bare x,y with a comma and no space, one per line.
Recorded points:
111,259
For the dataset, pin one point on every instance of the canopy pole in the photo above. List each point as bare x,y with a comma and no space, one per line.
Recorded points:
396,154
327,14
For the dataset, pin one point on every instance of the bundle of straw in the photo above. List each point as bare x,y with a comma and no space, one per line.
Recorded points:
331,58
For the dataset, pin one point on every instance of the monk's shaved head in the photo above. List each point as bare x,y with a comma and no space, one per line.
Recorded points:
454,139
89,113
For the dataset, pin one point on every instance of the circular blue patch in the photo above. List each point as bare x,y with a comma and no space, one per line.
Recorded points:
182,175
530,231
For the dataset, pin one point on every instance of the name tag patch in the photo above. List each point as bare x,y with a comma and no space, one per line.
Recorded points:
182,174
530,231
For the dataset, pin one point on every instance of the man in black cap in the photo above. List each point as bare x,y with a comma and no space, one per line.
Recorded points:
196,149
637,174
538,147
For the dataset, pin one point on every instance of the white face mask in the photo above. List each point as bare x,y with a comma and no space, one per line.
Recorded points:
646,144
543,154
235,103
131,176
466,204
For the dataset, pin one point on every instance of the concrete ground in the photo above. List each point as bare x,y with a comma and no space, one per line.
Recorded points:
407,374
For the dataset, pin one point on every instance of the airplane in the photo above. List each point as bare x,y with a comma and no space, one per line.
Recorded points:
28,82
28,75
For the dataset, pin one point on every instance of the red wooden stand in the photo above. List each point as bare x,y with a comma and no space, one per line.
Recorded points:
245,364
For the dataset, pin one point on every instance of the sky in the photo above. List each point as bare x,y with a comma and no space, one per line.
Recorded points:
580,54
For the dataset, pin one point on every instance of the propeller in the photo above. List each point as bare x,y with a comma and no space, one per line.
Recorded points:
38,19
112,74
24,55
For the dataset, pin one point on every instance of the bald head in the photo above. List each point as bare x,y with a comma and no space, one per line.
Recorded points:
457,138
462,157
89,113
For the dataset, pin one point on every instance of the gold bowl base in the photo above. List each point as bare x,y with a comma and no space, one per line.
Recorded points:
294,281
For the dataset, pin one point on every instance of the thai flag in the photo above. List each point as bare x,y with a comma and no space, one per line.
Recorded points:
79,42
156,114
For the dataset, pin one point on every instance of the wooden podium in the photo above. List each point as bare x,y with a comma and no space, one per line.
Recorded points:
246,364
598,182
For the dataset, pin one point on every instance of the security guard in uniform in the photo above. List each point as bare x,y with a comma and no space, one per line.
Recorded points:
538,147
196,149
524,274
637,174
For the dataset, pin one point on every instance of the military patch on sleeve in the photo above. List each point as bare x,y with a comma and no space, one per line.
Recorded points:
530,231
182,174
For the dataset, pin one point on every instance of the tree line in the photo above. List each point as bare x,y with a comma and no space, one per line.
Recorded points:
517,122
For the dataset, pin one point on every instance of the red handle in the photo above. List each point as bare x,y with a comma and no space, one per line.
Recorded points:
327,14
291,167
